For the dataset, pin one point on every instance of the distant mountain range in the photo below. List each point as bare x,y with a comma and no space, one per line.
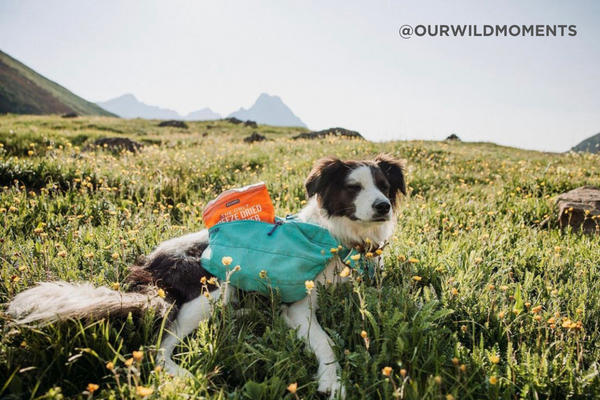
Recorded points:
591,144
270,110
24,91
127,106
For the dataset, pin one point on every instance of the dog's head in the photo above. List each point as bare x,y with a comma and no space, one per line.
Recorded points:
363,191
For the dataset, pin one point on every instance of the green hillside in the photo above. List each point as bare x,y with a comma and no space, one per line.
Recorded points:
591,144
478,299
24,91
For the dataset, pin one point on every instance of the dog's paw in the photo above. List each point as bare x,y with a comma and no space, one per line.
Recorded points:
333,388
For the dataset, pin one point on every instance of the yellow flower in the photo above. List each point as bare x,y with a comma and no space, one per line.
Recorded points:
92,387
227,261
454,292
386,371
161,293
413,260
292,387
449,397
144,391
455,361
115,256
369,255
355,257
129,362
115,286
309,285
138,355
363,334
379,252
37,231
493,380
403,372
203,280
334,250
463,368
417,278
263,274
110,366
345,272
438,380
495,359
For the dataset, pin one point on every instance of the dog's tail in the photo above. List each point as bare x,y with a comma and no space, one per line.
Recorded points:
54,301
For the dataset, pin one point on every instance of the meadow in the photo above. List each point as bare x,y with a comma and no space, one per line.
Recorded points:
479,299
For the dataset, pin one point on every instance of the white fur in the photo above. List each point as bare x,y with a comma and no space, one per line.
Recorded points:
179,245
53,301
349,232
368,195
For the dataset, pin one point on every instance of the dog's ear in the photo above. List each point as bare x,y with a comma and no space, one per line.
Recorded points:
393,169
320,173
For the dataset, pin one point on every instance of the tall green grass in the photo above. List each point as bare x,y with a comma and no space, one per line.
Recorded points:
478,298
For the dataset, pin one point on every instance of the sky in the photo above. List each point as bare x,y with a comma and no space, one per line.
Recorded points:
334,63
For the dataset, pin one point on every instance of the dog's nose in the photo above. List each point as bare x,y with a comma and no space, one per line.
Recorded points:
382,207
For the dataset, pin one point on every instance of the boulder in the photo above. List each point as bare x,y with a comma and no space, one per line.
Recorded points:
70,115
255,137
233,120
251,124
580,209
329,132
118,143
454,136
174,123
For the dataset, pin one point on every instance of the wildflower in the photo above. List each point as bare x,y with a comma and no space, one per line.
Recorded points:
161,293
403,372
203,280
449,397
129,362
493,380
37,231
22,268
369,254
413,260
138,355
552,320
110,366
227,261
309,285
386,371
491,287
158,368
292,387
504,288
115,286
463,368
464,328
455,361
355,257
536,309
89,256
363,334
263,274
417,278
92,387
401,258
115,256
144,391
379,252
438,380
334,250
454,292
345,272
494,359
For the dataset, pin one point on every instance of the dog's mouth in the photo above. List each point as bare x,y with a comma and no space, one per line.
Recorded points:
380,219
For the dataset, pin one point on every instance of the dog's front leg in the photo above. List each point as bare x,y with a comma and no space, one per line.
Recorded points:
302,315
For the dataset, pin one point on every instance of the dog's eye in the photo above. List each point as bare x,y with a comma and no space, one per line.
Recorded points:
354,187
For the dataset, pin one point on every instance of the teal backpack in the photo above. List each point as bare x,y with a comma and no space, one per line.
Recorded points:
291,252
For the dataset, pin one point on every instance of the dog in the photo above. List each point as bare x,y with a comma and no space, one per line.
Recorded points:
355,200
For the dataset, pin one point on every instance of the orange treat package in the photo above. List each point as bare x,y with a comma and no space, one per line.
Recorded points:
249,202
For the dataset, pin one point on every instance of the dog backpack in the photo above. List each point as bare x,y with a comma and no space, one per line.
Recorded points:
280,256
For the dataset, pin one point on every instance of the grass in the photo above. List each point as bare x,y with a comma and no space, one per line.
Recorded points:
478,298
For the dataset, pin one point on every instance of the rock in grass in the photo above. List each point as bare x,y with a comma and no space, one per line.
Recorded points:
329,132
454,136
70,115
233,120
119,143
251,124
255,137
580,208
174,123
